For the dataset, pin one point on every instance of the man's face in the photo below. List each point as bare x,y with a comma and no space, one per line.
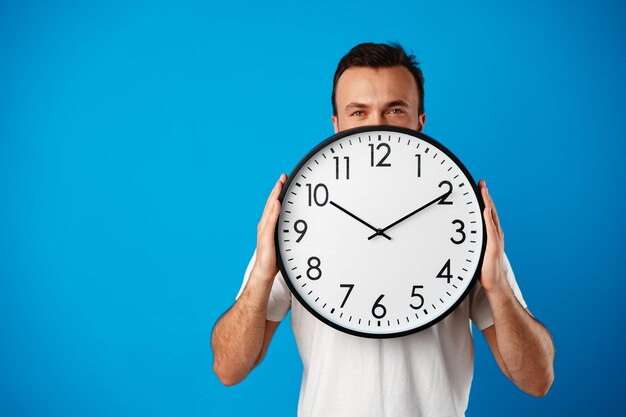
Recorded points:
377,96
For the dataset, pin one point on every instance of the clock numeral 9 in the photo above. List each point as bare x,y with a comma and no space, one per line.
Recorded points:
378,306
443,200
320,198
314,272
415,294
349,287
460,230
382,162
347,159
445,272
301,231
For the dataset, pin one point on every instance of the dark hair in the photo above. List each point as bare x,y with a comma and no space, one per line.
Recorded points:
380,55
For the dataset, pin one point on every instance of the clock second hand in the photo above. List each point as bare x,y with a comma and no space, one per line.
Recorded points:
381,231
378,231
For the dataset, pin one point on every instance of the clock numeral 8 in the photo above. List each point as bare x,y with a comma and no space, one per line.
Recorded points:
314,272
378,306
302,232
315,195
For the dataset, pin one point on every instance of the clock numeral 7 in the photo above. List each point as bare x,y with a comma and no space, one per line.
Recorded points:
420,296
382,162
318,194
350,287
378,306
347,159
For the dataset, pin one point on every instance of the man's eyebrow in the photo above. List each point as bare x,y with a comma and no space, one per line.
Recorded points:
397,103
356,106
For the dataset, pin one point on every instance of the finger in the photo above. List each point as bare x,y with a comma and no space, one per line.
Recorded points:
273,196
492,232
492,210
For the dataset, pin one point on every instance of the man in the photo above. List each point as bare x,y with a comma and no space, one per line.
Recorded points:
424,374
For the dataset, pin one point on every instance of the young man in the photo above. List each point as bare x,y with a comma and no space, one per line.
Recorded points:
424,374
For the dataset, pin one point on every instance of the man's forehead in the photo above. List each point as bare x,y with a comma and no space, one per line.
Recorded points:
376,86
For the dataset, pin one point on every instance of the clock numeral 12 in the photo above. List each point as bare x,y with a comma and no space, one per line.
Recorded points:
316,196
382,162
347,159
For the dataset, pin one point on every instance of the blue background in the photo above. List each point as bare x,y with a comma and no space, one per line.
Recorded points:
139,141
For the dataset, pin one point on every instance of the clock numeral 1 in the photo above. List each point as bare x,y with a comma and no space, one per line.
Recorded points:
320,198
314,272
347,159
382,162
301,231
419,296
445,272
460,230
349,287
419,165
377,307
443,200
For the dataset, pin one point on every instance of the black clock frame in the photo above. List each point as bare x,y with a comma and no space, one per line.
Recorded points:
395,129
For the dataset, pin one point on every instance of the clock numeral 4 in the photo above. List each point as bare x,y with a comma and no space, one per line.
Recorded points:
443,200
350,287
379,310
318,194
419,296
381,162
347,159
445,272
302,230
460,230
314,272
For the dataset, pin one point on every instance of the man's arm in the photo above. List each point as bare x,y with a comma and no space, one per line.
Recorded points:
242,335
521,345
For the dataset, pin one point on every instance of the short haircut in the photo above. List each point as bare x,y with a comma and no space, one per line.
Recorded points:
380,55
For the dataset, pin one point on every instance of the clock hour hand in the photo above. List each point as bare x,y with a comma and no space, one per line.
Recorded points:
430,203
378,231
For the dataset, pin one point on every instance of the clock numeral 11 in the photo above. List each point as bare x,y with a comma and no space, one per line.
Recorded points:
347,159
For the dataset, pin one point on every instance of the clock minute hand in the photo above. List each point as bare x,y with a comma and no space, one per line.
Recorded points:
378,231
430,203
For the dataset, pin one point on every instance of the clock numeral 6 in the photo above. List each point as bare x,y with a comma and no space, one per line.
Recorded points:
314,272
460,230
445,272
318,194
347,159
378,306
349,287
382,162
301,231
420,297
443,200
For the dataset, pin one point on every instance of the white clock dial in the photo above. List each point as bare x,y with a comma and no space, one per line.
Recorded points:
380,232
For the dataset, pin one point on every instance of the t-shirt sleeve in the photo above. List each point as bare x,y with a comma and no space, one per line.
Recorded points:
279,302
480,313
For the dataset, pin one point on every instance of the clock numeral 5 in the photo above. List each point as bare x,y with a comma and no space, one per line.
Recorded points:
443,200
460,230
379,307
320,198
347,159
382,162
303,230
314,272
445,272
349,287
420,297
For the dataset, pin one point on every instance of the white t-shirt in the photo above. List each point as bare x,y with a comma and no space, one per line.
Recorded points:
428,373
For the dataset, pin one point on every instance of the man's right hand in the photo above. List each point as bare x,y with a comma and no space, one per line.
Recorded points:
265,265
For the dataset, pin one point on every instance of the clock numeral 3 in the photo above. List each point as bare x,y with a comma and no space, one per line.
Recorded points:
303,230
320,198
445,272
443,200
378,306
382,162
460,230
349,287
347,159
314,272
420,297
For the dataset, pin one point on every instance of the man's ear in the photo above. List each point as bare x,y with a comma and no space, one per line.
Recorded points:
421,120
335,123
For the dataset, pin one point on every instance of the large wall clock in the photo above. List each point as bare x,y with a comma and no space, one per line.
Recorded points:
381,232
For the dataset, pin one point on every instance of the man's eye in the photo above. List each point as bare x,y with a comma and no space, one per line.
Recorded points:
396,111
358,113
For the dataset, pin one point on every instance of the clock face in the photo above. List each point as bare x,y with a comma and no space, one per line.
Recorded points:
381,231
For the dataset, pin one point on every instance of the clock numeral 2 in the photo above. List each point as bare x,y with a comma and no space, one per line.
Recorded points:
445,272
443,200
320,198
460,230
302,232
382,162
314,272
415,294
378,306
347,159
349,287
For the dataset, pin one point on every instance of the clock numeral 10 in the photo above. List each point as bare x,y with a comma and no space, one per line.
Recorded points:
445,272
382,162
314,272
347,159
419,296
320,198
379,310
302,230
